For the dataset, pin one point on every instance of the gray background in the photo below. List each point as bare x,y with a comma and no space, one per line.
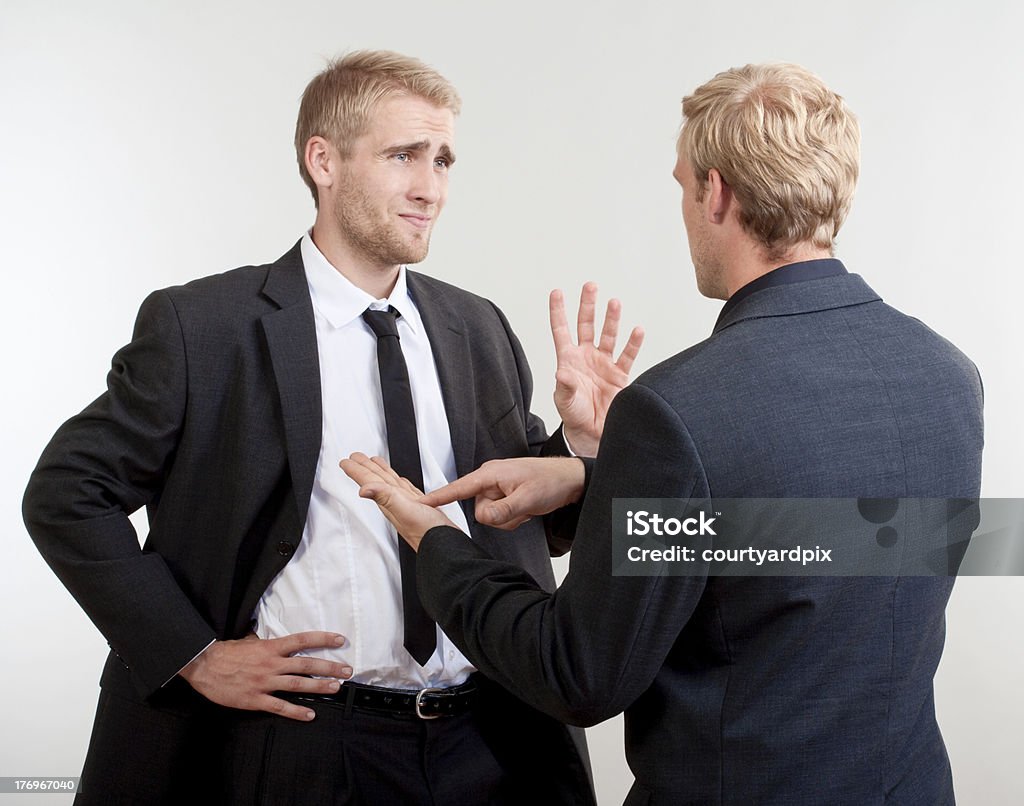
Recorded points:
144,144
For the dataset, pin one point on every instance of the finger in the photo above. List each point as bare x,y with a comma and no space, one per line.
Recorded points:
390,475
469,486
311,639
375,477
318,667
300,684
296,684
289,710
380,469
559,324
585,317
610,330
355,471
631,350
385,471
360,468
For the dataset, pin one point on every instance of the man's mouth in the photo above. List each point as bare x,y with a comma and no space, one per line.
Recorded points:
417,220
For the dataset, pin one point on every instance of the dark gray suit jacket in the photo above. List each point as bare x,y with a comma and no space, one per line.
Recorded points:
212,420
740,690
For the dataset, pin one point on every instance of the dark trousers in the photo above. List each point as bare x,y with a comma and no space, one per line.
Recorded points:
360,758
178,748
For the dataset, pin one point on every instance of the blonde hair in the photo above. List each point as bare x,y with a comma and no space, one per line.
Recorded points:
338,102
787,146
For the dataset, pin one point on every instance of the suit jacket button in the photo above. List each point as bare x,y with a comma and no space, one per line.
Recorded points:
285,549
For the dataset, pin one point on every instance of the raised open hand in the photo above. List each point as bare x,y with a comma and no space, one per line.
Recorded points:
587,376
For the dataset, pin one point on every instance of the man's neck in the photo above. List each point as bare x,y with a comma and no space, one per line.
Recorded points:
376,280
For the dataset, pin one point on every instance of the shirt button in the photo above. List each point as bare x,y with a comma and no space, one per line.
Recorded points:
451,655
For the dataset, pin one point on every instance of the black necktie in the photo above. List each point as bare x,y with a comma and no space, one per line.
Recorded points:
404,450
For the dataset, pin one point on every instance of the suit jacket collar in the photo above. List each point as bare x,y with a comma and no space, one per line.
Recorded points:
286,279
804,297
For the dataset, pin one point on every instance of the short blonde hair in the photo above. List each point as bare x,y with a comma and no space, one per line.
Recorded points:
786,144
338,102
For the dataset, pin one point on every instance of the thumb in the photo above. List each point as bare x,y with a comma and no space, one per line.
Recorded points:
565,387
495,513
379,493
565,378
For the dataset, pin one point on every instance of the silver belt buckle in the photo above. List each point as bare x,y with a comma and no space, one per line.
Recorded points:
419,702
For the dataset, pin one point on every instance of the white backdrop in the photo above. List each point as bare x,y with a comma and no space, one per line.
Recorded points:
145,144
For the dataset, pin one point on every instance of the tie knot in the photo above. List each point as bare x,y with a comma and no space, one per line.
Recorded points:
382,323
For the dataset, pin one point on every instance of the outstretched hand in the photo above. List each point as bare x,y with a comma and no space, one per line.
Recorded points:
509,492
397,498
587,377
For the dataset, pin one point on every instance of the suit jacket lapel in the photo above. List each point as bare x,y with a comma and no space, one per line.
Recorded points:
449,342
291,340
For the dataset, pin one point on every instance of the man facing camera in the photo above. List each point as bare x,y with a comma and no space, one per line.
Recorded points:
738,689
268,636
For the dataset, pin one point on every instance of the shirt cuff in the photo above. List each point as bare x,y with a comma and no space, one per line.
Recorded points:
200,652
565,439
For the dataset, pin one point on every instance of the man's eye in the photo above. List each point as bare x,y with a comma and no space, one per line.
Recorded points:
442,162
403,156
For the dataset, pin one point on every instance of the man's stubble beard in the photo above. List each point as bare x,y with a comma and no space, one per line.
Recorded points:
377,241
707,267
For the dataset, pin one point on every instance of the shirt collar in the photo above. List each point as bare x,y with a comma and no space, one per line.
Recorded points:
341,302
784,275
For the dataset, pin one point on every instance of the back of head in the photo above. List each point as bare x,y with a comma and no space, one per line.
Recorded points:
338,103
788,147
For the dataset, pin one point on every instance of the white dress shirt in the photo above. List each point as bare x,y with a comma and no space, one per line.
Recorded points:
344,576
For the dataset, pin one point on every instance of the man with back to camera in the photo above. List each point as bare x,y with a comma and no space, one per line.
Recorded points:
265,581
737,690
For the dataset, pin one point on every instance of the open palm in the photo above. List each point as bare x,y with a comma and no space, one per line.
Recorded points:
587,376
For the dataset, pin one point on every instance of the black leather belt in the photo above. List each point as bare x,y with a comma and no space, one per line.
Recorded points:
427,703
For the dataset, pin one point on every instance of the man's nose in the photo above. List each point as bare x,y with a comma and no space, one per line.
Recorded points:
427,184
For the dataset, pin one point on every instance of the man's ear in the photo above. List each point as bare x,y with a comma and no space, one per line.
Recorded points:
321,160
719,197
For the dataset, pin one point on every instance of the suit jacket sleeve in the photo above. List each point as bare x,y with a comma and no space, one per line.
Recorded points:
101,466
585,652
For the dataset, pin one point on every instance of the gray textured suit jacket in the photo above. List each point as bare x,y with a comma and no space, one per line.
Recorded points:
742,690
212,419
